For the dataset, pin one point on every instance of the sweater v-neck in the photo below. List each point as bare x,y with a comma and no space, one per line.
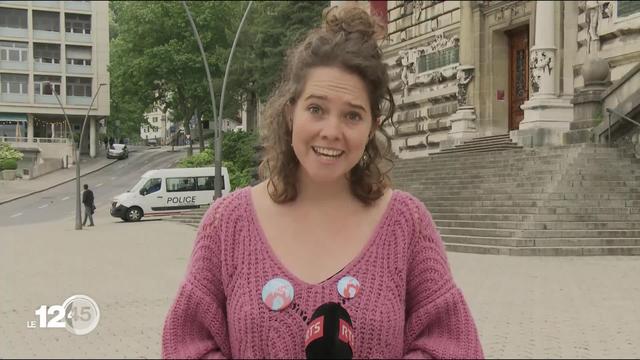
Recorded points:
263,242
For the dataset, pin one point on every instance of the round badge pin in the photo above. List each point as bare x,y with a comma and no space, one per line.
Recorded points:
348,287
277,294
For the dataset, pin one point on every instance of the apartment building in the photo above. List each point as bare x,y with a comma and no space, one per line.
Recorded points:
47,46
158,129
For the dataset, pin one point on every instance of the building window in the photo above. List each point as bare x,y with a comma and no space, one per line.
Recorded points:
13,18
77,86
14,83
46,21
626,8
13,51
46,53
155,119
79,55
39,84
77,23
438,59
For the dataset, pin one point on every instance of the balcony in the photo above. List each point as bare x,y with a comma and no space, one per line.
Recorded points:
45,4
14,98
76,37
46,35
45,99
14,65
79,100
77,5
13,32
79,69
46,67
15,3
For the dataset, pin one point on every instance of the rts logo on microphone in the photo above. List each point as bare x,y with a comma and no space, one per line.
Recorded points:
314,331
346,334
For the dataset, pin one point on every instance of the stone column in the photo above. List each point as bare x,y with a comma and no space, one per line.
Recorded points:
545,111
53,130
92,137
29,127
463,121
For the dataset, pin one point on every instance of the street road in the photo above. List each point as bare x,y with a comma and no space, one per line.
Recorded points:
59,202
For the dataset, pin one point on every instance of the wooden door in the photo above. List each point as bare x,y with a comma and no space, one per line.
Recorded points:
518,74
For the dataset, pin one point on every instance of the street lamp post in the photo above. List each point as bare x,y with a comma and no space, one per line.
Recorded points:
217,180
77,149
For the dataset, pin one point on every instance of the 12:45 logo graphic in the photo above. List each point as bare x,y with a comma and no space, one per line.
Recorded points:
79,314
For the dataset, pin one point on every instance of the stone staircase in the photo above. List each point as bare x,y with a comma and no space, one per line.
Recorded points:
482,144
190,218
581,199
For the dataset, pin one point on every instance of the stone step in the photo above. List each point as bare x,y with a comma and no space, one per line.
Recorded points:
559,218
531,234
628,233
512,179
441,174
546,251
477,149
468,158
546,196
548,225
547,242
570,203
419,191
478,144
490,137
523,183
499,166
187,217
516,157
593,175
485,143
480,140
533,210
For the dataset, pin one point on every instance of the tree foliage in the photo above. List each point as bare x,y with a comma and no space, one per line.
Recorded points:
155,58
8,152
239,152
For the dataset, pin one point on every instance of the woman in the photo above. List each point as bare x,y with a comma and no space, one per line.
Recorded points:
323,227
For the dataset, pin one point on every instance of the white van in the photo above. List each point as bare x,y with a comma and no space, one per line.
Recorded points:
168,192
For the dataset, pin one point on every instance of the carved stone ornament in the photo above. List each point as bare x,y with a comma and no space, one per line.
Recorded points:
539,62
464,76
592,18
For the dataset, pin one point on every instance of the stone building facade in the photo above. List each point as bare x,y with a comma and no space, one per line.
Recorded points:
540,71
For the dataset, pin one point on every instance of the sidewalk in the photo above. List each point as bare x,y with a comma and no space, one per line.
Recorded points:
16,189
524,307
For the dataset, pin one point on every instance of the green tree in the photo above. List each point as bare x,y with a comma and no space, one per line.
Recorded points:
273,27
155,57
237,148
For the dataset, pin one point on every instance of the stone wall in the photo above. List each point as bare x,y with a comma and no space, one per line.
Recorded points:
610,29
422,50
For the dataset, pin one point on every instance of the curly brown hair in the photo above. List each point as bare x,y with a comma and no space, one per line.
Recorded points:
347,39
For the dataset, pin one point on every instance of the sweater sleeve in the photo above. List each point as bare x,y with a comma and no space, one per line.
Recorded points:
196,325
438,321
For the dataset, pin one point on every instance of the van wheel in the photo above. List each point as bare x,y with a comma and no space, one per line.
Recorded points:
134,214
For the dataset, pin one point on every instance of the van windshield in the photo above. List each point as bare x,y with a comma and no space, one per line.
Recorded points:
138,184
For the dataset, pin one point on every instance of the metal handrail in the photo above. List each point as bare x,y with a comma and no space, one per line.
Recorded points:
24,139
611,111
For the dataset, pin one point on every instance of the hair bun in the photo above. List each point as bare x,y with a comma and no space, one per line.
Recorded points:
352,19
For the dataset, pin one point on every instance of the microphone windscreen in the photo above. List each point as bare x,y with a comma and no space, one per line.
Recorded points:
330,333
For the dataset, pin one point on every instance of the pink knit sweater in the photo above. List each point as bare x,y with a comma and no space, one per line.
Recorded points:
408,305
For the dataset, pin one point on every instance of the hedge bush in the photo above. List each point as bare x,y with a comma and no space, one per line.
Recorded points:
8,164
7,152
